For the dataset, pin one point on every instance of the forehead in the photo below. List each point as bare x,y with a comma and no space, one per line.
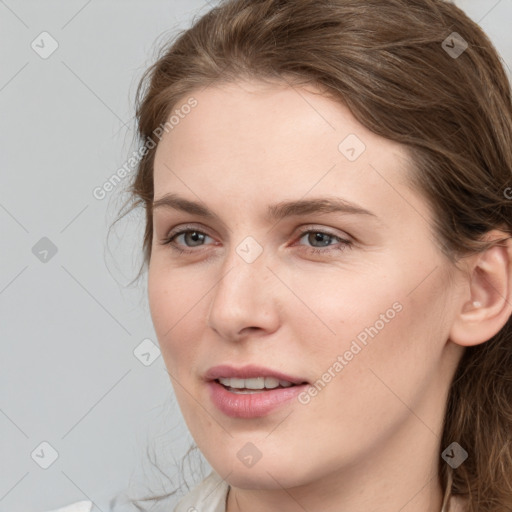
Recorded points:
264,116
251,139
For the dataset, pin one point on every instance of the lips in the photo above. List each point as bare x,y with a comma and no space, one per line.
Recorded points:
256,404
250,372
249,404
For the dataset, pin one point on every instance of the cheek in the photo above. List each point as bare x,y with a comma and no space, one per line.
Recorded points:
175,305
373,320
390,344
340,307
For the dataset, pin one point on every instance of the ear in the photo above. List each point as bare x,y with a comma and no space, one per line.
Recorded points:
486,305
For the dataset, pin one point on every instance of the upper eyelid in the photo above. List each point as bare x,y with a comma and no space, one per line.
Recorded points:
183,229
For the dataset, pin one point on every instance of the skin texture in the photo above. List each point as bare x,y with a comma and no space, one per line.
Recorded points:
370,440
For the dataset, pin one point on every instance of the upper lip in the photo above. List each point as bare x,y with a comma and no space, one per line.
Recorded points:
248,372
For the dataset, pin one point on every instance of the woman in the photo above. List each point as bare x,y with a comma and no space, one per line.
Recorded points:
328,243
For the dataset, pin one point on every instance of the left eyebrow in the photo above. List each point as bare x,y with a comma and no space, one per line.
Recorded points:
275,212
319,205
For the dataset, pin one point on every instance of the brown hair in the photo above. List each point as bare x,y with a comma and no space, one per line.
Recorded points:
390,63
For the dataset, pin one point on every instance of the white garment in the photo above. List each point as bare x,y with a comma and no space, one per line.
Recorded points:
208,496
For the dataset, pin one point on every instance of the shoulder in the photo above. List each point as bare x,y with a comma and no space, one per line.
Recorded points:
79,506
208,496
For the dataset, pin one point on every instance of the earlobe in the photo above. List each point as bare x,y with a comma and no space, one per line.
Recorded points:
487,306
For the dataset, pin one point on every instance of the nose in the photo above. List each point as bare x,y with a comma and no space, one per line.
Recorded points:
244,300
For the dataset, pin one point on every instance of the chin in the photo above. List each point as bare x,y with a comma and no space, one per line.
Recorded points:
270,475
248,479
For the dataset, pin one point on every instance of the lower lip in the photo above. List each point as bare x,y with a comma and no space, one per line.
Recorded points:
251,405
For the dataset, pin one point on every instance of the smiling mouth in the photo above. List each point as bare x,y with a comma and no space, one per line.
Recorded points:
252,397
254,385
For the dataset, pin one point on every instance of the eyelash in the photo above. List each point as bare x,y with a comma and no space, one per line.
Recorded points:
345,244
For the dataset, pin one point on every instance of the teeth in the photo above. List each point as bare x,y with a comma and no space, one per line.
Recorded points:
255,383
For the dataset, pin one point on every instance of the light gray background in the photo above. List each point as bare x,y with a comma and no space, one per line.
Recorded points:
69,326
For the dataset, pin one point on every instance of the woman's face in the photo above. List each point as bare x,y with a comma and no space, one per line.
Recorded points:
351,296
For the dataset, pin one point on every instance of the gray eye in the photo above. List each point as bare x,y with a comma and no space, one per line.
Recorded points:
194,237
318,239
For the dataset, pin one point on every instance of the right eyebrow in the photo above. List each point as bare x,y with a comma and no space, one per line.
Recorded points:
274,212
173,201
